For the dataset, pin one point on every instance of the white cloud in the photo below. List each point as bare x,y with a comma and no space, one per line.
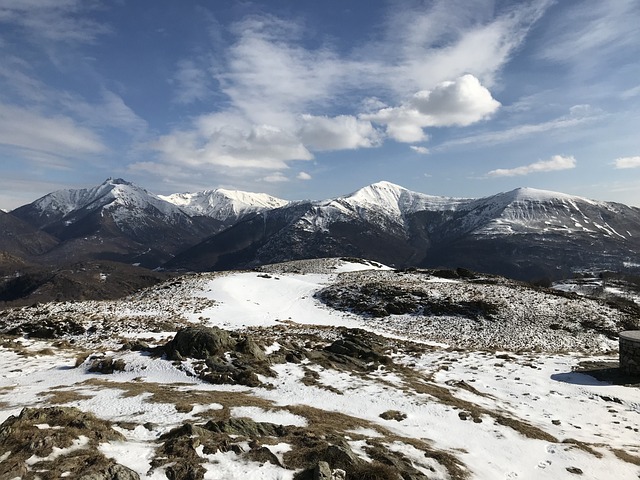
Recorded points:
591,31
427,45
555,163
110,111
627,162
228,140
192,82
50,135
577,116
52,20
460,103
303,176
343,132
275,178
420,150
282,95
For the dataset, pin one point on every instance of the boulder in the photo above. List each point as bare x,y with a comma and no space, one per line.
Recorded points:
199,342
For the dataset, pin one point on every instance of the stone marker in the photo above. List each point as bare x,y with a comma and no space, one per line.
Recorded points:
630,352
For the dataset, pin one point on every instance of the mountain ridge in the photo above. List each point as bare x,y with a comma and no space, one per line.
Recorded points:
525,233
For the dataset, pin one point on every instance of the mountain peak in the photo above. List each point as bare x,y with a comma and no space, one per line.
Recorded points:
223,204
523,194
116,181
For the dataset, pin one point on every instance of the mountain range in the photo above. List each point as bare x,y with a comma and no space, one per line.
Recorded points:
525,233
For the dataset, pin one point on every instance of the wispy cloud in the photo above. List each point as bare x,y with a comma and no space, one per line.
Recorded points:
420,150
555,163
576,117
52,20
191,82
627,162
54,135
281,93
590,31
303,176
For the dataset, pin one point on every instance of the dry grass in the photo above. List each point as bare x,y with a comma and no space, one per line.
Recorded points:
414,383
583,446
626,457
324,423
63,397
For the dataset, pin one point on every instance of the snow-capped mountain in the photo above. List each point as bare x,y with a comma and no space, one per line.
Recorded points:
125,200
114,220
223,205
382,203
525,233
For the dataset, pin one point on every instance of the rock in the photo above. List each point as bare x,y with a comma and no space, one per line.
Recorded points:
393,415
107,365
361,345
338,474
248,347
263,455
136,346
199,342
114,472
246,427
574,470
48,328
322,471
21,436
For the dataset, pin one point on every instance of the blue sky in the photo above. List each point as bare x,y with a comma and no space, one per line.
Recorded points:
305,99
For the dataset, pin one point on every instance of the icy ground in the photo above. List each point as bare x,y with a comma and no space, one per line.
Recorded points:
499,396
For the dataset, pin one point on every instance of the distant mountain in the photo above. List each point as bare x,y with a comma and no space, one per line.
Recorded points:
525,233
116,220
223,205
20,239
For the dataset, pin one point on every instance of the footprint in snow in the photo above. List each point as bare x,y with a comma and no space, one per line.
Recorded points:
544,464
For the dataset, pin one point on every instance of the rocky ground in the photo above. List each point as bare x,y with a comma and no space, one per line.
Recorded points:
319,369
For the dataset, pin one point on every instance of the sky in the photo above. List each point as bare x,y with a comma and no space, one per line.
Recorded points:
311,100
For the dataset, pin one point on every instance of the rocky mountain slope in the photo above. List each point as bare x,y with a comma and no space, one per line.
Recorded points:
20,239
332,368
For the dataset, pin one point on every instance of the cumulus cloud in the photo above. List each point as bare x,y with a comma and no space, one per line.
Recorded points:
282,94
627,162
303,176
451,103
229,140
344,132
555,163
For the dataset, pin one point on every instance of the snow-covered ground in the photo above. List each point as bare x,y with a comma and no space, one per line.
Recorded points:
500,412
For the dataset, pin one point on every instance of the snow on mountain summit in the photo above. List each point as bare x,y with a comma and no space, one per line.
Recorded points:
223,204
396,200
